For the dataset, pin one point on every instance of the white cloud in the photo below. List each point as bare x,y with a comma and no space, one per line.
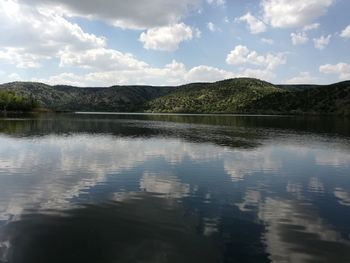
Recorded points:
166,38
346,32
121,13
299,38
212,27
242,55
41,32
206,73
268,41
322,42
311,27
20,58
302,78
238,55
33,35
341,69
171,74
255,25
14,77
100,59
174,73
216,2
297,13
264,74
63,79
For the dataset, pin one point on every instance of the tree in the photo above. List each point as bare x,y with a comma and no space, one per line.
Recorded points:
10,101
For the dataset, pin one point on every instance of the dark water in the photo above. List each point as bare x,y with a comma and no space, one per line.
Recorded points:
172,188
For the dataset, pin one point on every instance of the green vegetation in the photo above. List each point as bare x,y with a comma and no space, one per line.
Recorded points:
226,96
251,96
328,100
9,101
69,98
240,95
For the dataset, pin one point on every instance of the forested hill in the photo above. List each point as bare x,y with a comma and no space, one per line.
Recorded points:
244,95
69,98
240,95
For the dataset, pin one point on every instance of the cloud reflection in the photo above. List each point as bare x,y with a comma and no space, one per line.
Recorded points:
164,184
296,233
343,196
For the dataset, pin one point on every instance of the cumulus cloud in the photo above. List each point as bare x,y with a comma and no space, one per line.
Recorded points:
346,32
302,78
206,73
311,27
33,35
255,25
264,74
238,55
297,13
242,55
166,38
100,59
216,2
321,42
171,74
299,38
14,77
126,14
174,73
212,27
65,78
20,58
341,69
268,41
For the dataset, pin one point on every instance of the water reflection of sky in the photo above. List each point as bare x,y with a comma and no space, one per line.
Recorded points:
286,199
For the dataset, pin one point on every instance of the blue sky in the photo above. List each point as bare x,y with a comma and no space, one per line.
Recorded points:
166,42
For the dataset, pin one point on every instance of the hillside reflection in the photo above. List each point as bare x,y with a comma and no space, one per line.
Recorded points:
121,127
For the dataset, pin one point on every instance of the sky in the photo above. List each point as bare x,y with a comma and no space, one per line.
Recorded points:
167,42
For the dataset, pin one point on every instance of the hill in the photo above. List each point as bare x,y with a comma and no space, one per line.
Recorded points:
331,99
240,95
69,98
252,96
232,95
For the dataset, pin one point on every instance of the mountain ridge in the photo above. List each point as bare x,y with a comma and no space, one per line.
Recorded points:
238,95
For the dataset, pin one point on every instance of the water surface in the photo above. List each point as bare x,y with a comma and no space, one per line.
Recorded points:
174,188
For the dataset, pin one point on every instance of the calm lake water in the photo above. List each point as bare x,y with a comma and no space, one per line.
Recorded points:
174,188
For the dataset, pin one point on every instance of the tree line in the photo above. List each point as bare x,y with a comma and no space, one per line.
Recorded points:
10,101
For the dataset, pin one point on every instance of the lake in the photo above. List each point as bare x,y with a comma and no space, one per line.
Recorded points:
174,188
